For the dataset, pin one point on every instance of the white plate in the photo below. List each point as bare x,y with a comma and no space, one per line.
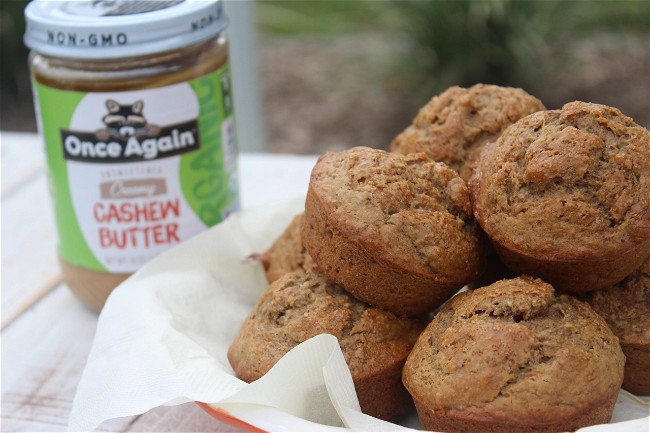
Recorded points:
630,415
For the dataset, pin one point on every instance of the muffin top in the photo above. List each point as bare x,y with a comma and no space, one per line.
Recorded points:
455,125
626,307
506,352
406,210
566,183
301,305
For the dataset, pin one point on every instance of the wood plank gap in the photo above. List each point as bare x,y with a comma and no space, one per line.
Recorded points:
47,288
15,184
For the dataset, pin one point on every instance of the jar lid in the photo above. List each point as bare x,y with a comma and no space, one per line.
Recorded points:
97,29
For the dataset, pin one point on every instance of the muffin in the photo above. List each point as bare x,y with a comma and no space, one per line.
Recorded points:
626,309
287,253
395,230
564,195
514,357
455,125
300,305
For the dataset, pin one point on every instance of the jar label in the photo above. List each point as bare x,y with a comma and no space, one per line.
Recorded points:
133,173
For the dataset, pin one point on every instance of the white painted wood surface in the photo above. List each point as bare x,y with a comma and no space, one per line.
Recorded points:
46,333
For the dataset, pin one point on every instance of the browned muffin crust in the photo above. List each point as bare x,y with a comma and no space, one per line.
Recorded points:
287,253
298,306
565,195
395,230
514,357
626,309
455,125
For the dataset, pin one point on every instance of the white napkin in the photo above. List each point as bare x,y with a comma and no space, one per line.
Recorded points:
163,335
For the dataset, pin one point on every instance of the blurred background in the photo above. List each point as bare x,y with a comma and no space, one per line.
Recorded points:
335,74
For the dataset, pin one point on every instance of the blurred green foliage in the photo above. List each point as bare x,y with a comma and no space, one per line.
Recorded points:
524,43
14,53
318,17
462,42
511,42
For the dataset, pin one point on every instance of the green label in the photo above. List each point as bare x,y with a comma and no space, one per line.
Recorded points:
134,173
207,192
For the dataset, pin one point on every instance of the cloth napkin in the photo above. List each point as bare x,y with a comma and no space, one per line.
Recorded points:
163,335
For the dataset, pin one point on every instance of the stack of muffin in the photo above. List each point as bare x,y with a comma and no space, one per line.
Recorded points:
540,209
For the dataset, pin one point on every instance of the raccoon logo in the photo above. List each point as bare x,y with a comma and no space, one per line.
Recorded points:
126,121
128,136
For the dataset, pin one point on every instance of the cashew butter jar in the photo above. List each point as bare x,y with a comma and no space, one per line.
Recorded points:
134,105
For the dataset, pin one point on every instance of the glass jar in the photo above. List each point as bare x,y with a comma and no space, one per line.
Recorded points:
134,104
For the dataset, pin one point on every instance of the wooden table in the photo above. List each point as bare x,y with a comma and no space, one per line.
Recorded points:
46,333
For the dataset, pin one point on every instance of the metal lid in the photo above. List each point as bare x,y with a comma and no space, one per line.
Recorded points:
98,29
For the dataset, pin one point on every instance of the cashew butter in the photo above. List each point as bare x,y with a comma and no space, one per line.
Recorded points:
134,105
